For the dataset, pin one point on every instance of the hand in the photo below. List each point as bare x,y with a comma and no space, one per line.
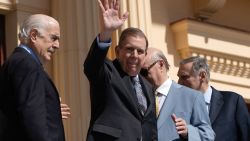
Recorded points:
65,110
180,125
110,17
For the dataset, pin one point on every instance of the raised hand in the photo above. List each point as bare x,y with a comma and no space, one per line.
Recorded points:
110,17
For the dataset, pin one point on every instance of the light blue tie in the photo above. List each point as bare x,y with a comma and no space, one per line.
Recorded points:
142,101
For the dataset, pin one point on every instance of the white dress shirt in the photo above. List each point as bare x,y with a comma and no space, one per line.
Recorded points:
207,96
162,92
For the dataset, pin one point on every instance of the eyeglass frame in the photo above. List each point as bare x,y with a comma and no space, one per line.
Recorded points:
144,71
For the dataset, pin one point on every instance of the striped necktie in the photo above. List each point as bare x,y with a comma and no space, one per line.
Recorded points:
142,101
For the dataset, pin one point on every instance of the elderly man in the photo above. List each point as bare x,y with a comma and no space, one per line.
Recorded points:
181,111
29,99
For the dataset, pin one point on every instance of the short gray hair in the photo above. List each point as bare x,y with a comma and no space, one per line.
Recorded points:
199,64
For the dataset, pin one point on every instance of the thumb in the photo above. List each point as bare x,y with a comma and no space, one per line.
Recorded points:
173,116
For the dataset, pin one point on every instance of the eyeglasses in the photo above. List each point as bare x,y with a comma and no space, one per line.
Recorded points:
144,72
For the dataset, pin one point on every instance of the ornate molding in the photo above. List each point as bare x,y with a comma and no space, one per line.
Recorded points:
237,67
204,9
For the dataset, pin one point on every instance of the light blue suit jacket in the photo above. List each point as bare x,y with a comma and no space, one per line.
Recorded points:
189,105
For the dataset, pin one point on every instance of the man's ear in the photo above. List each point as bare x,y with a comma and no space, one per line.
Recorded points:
33,34
203,76
162,63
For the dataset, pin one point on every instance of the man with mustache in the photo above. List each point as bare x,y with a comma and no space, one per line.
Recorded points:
29,99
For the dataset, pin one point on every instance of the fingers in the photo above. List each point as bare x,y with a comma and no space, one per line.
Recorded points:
125,16
65,111
106,4
101,6
173,116
116,4
180,125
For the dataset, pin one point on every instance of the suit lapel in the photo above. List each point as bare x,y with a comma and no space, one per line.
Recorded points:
127,90
131,96
168,105
216,104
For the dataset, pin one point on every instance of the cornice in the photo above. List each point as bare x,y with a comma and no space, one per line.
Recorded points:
204,9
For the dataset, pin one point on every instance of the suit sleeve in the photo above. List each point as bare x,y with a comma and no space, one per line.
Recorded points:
200,127
243,120
94,62
31,105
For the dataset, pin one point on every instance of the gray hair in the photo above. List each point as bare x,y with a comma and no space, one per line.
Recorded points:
39,22
159,55
199,64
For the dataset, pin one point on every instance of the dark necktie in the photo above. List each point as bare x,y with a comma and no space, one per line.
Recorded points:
142,101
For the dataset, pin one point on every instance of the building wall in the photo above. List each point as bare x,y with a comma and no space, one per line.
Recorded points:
157,18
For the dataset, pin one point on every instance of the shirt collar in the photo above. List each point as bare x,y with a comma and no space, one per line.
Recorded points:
164,88
30,51
208,95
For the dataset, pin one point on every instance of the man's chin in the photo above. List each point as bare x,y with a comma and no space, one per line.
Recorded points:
133,72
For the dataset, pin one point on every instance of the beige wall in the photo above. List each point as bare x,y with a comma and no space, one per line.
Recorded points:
79,25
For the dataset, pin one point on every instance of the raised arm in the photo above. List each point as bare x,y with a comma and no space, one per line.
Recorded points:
110,18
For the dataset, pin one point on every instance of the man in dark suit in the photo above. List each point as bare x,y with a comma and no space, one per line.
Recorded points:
29,99
181,111
227,110
121,110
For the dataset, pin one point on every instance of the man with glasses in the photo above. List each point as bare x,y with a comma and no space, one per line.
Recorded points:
29,99
122,102
181,111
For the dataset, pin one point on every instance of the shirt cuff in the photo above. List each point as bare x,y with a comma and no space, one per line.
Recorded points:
103,45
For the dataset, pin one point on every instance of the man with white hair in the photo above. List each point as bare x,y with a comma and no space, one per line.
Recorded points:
29,99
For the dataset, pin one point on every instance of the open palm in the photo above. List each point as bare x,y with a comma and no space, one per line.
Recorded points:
110,15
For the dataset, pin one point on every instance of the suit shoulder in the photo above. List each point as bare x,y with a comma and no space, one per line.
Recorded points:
20,61
230,94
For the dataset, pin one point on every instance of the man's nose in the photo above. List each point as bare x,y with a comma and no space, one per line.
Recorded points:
135,52
56,44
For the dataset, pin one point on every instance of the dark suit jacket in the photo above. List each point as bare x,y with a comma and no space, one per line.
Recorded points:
229,116
114,110
29,101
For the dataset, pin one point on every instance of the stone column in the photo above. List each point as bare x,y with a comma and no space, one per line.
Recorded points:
79,26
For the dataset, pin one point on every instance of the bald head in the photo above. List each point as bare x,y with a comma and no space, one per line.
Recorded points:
155,67
154,54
